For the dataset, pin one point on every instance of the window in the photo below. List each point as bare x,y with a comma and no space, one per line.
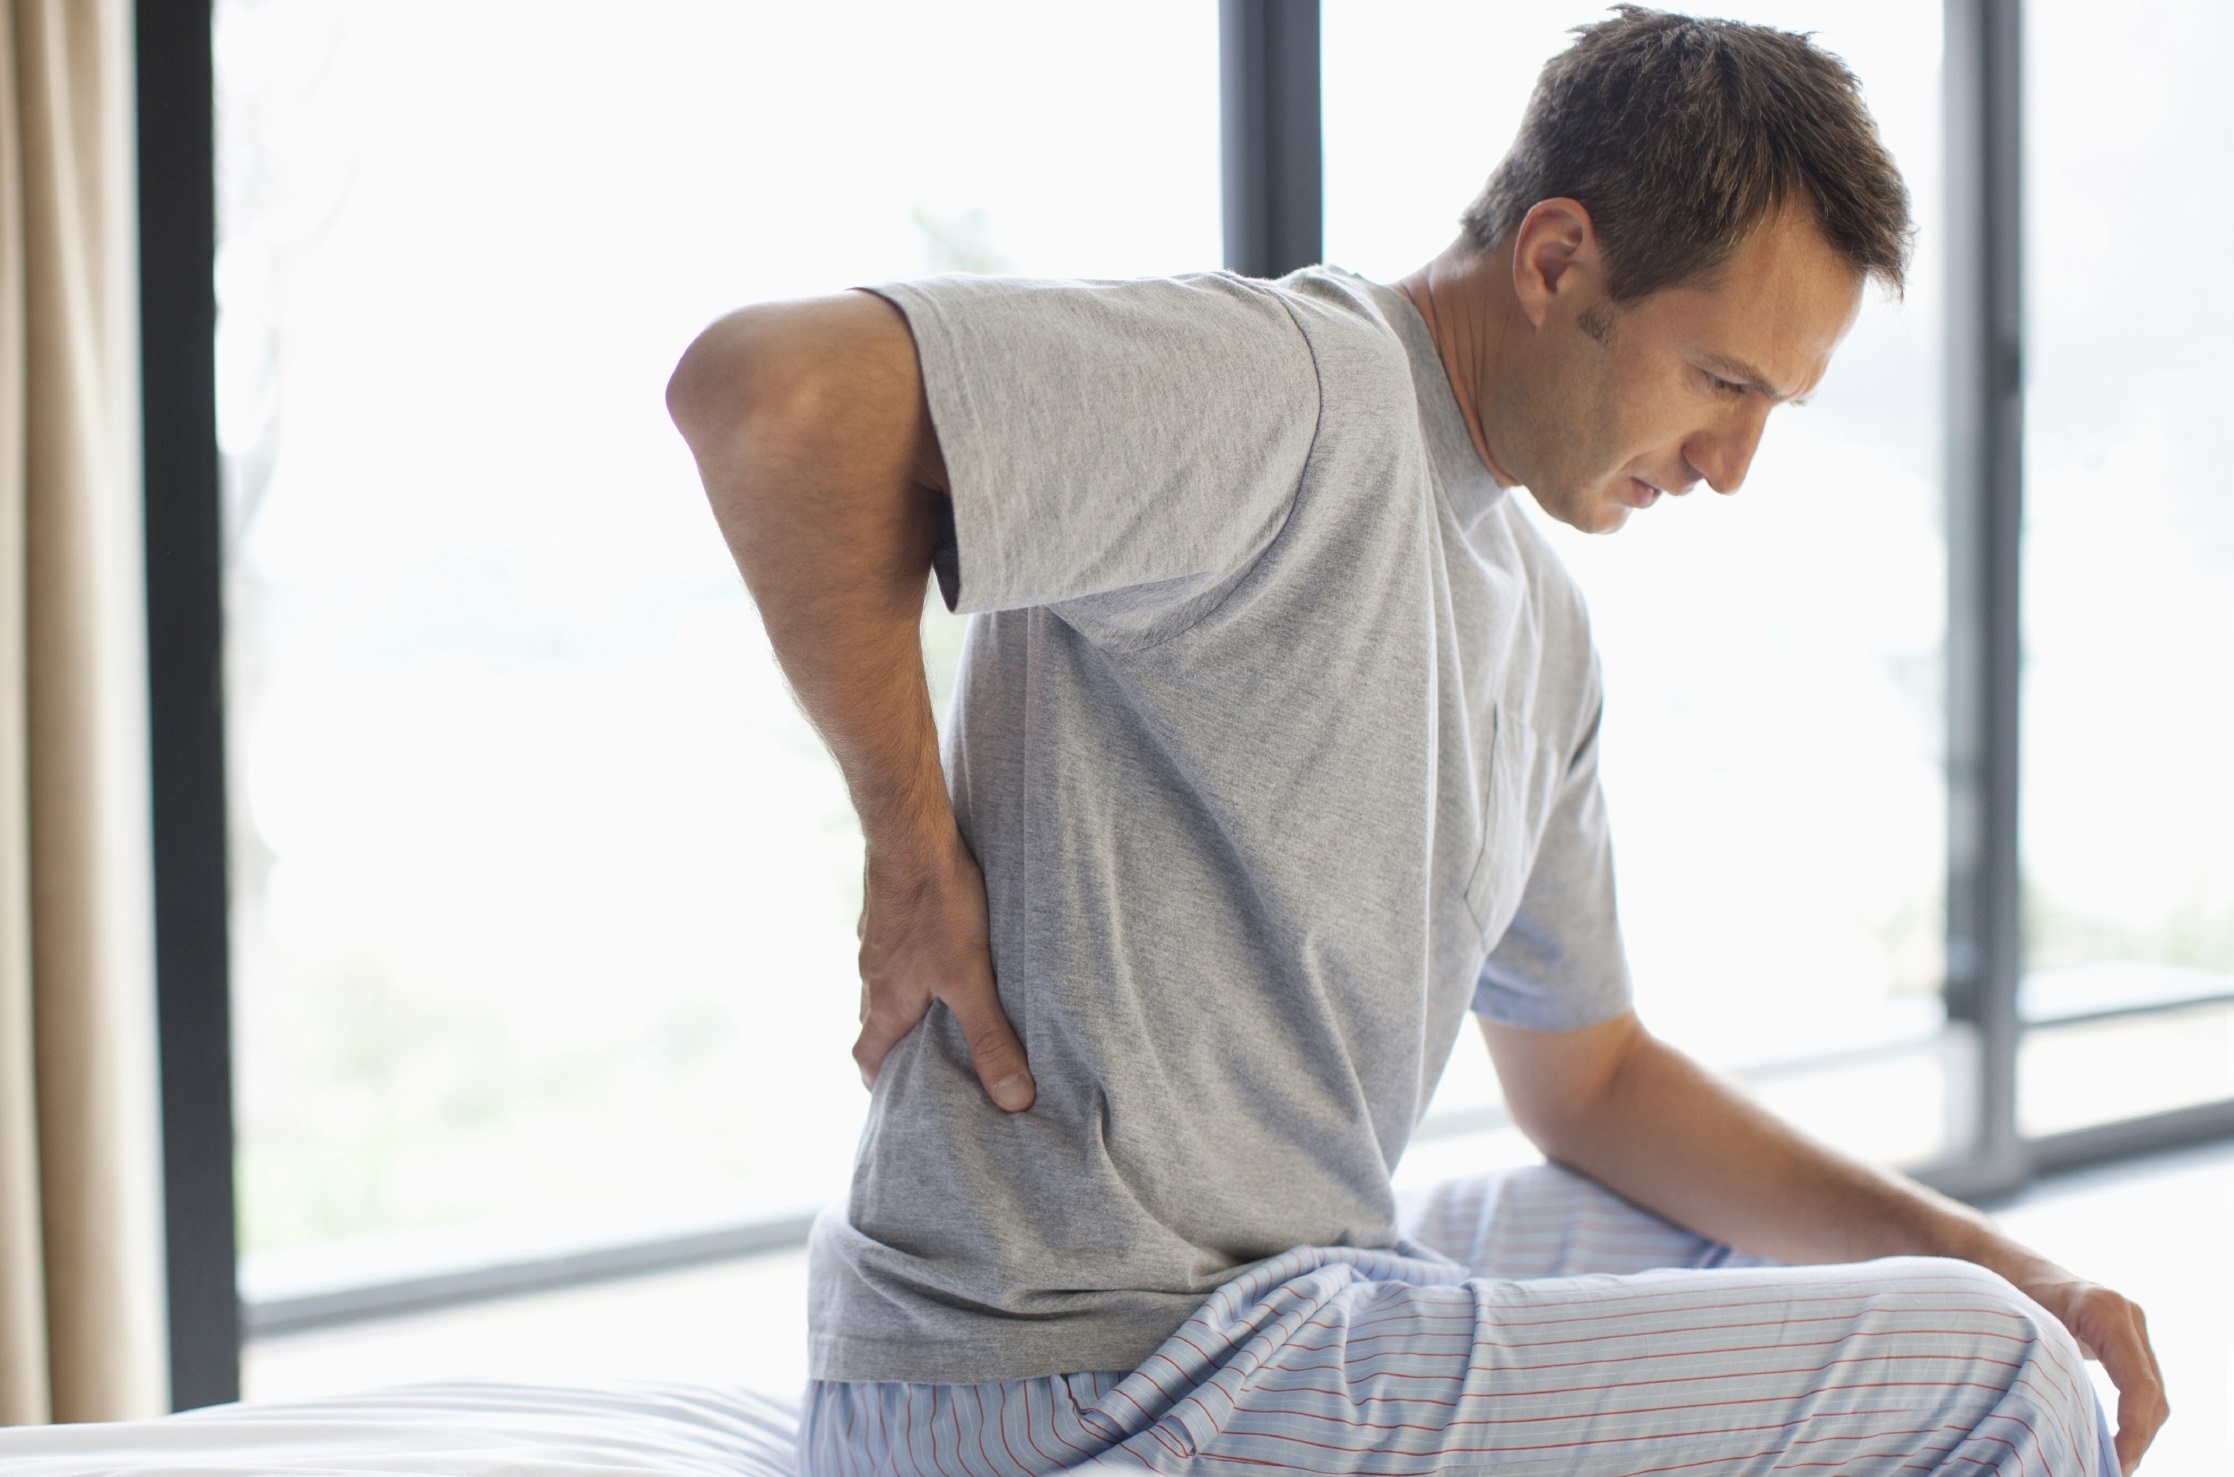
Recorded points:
2129,566
543,892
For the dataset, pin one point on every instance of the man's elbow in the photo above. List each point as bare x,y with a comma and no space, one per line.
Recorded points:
780,397
720,380
1555,1128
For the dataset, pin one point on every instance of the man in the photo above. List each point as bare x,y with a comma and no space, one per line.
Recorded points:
1275,747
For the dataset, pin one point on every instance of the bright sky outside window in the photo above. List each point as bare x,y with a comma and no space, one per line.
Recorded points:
544,893
2128,799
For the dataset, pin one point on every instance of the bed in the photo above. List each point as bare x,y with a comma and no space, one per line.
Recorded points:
454,1429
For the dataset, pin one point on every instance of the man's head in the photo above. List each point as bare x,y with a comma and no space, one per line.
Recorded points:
1675,245
1681,136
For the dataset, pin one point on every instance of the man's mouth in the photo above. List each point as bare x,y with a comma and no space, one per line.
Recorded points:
1638,493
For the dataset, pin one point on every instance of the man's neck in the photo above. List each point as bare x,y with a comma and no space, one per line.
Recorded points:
1465,298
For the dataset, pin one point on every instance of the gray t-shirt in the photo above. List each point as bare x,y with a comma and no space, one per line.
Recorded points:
1276,738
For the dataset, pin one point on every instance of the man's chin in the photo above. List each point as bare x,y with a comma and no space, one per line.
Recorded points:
1594,510
1594,514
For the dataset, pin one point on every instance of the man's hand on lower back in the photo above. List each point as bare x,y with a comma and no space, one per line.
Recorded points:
2110,1328
924,937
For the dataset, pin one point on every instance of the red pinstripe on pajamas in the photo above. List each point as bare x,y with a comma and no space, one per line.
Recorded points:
1536,1325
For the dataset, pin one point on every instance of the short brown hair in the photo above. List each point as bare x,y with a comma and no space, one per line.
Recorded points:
1679,136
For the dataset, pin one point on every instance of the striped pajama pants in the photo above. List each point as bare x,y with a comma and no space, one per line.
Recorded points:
1533,1323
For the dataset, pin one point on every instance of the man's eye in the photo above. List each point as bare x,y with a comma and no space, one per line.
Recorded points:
1723,386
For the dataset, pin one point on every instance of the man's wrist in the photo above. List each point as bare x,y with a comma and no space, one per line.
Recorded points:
904,808
911,844
1973,1238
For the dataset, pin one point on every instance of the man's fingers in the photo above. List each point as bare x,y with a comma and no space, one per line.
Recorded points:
994,1049
924,937
880,1032
2141,1412
2132,1367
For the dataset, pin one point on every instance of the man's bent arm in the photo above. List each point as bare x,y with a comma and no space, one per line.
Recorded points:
815,443
1646,1121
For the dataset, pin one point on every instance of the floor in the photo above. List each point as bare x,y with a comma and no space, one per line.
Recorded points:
2160,1230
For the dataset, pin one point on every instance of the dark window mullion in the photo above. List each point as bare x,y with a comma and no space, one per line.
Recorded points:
184,550
1985,449
1269,111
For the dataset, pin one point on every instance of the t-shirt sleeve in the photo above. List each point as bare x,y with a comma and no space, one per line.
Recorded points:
1134,440
1560,964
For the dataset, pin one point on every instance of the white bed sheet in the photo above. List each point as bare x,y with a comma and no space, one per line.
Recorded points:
456,1429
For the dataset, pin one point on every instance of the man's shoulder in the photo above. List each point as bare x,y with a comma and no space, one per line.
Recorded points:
1216,332
1344,307
1335,312
1086,302
1366,373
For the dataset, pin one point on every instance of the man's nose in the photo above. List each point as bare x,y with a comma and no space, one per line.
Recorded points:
1723,454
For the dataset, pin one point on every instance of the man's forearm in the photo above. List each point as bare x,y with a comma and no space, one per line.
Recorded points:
1653,1125
1673,1137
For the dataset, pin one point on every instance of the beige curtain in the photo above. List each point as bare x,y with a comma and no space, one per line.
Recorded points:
80,1291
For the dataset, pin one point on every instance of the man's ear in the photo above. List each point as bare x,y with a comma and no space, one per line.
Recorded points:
1555,251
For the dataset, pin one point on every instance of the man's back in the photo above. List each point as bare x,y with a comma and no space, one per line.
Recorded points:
1279,697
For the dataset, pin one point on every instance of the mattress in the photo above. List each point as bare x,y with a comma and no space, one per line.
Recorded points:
454,1428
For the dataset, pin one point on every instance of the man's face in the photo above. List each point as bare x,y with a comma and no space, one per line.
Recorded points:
1626,403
